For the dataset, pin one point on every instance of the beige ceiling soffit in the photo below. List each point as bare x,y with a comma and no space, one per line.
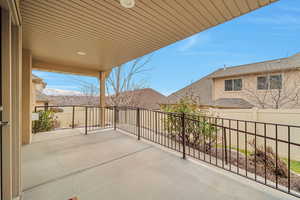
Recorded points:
112,35
51,67
14,8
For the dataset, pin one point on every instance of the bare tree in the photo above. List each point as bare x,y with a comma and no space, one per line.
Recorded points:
126,78
276,93
89,92
190,96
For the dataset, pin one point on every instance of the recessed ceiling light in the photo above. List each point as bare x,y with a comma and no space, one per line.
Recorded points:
81,53
127,3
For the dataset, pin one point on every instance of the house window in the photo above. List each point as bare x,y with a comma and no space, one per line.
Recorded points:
262,83
269,82
276,82
233,85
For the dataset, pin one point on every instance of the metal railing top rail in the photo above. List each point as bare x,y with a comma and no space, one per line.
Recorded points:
211,117
174,113
82,106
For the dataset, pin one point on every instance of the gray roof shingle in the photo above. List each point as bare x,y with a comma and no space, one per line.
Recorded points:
288,63
232,103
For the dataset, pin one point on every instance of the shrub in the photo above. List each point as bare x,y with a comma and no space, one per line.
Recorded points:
268,158
46,122
199,131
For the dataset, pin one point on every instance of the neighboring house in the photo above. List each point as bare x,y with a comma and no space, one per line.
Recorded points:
268,84
38,98
144,98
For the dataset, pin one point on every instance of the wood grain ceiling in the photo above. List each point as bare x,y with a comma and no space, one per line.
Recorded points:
111,35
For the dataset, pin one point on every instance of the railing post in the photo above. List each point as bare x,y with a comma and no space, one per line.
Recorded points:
73,117
156,123
86,119
115,117
46,106
225,145
35,109
138,123
183,134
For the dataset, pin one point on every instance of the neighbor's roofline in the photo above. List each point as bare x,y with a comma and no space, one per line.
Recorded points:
254,63
255,73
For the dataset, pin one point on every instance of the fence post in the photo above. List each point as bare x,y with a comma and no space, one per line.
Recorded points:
156,123
46,106
183,134
225,145
86,119
115,117
73,117
138,123
35,109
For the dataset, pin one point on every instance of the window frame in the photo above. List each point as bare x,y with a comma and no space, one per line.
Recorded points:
233,86
281,80
269,81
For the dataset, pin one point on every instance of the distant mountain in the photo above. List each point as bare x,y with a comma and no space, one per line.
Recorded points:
59,92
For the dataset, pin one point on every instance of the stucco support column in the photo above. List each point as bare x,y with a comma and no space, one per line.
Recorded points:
6,103
16,108
26,96
102,98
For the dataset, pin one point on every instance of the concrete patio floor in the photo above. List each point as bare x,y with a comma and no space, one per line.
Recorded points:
112,165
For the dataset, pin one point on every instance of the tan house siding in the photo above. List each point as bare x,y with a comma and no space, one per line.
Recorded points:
290,82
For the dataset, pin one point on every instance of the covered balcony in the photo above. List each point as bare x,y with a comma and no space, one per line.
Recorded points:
89,37
146,154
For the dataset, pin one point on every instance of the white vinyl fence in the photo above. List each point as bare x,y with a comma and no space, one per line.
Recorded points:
277,116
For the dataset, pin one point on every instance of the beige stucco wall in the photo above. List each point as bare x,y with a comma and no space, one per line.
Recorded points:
249,92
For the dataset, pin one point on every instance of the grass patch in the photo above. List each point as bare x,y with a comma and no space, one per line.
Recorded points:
295,165
243,151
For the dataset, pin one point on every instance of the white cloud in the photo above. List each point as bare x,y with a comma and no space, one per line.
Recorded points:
195,40
60,92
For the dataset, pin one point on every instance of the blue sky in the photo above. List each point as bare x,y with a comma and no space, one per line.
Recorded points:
268,33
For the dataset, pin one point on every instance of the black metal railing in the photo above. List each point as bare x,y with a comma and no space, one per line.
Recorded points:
88,118
267,153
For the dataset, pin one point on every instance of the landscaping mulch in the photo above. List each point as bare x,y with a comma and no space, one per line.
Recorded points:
264,167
